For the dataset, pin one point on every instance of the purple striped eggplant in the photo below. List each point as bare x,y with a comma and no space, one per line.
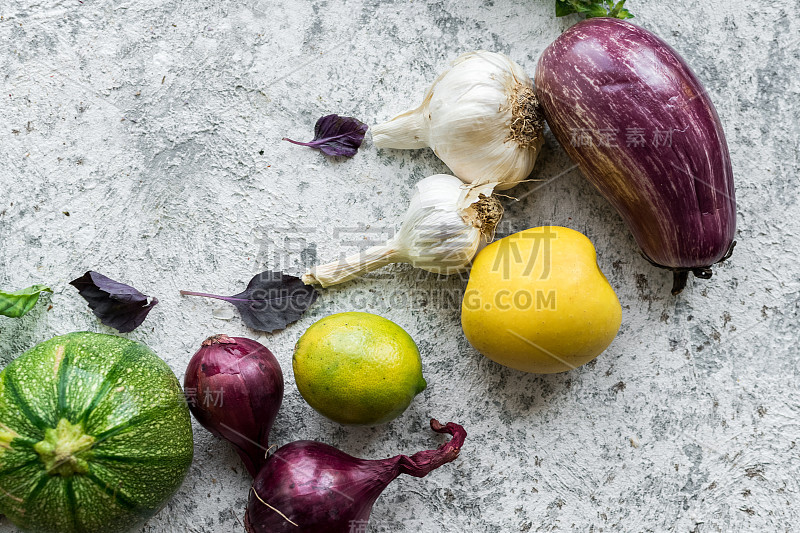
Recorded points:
641,127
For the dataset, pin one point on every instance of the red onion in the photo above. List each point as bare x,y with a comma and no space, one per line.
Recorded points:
235,387
308,486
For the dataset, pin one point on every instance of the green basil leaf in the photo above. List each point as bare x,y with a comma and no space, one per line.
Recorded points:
16,304
595,11
624,14
593,8
618,10
564,8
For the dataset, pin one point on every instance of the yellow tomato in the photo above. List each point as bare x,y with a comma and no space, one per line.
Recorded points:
537,301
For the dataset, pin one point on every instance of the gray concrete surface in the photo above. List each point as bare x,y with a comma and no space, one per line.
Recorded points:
157,126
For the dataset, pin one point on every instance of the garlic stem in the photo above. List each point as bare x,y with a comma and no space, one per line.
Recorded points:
352,267
407,131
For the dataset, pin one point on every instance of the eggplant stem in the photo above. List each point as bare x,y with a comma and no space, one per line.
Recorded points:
703,273
271,507
679,279
729,253
681,275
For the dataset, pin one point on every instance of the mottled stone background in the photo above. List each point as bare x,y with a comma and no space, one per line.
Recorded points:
157,124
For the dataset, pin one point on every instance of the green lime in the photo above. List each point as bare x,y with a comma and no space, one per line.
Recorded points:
358,368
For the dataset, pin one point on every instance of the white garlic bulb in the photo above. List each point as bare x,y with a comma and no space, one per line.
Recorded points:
441,233
481,117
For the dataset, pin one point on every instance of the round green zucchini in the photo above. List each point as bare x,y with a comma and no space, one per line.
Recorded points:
95,435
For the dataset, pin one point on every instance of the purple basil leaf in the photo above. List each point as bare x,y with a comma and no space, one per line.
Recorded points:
335,135
271,302
117,305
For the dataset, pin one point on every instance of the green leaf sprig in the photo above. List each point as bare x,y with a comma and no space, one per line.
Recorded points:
593,8
16,304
